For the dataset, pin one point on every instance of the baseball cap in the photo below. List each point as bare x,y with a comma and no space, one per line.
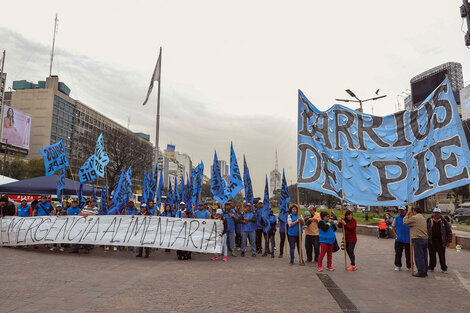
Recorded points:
248,203
200,203
219,211
143,205
58,204
23,200
182,203
306,213
43,197
436,210
402,208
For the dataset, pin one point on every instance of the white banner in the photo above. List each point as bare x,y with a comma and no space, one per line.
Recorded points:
188,234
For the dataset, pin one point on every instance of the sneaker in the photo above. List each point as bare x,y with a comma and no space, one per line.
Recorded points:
445,272
61,249
354,268
281,256
146,256
397,268
138,256
308,261
106,248
115,249
46,246
320,269
330,269
243,254
253,255
349,268
272,255
233,255
53,249
214,258
224,259
408,269
431,270
291,262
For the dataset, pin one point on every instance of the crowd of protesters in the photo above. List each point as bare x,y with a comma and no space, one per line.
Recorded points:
243,225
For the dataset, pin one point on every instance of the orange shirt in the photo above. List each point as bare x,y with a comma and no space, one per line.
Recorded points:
312,229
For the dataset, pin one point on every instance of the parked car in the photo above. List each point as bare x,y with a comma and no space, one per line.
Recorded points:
462,217
460,211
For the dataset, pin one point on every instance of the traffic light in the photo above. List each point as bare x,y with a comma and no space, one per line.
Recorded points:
465,13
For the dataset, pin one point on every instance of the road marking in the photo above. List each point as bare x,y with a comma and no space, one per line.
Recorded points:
465,283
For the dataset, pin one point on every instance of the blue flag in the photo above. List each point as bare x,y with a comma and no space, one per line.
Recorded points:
197,174
177,197
266,208
388,160
87,172
81,199
101,157
159,191
104,198
60,184
120,194
145,187
217,184
285,198
55,157
153,184
247,183
169,196
235,184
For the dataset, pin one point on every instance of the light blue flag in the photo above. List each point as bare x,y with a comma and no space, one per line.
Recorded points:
383,161
217,184
60,184
159,191
81,199
247,183
285,198
182,191
87,172
266,208
128,183
119,195
153,184
55,157
101,157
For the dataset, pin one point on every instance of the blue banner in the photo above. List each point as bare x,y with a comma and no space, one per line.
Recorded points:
217,185
87,171
385,161
55,157
285,198
60,184
247,183
101,157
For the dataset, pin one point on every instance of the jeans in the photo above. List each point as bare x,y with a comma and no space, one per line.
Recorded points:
231,241
420,248
293,240
312,242
259,237
441,251
399,246
252,236
224,245
281,245
328,250
269,238
350,250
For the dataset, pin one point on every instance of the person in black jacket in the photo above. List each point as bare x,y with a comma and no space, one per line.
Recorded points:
440,237
143,211
7,208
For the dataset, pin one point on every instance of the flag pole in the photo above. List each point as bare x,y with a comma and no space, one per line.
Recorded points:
411,245
301,260
344,239
157,133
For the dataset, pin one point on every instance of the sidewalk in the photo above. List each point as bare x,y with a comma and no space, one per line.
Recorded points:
42,281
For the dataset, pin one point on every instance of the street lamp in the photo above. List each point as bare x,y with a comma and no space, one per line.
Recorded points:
359,100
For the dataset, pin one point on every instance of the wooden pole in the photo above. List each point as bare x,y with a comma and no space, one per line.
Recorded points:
71,174
344,238
411,243
301,260
285,241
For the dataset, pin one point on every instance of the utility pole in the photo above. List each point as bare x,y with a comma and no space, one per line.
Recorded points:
3,83
360,109
56,22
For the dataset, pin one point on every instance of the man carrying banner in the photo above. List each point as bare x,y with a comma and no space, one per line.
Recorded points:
43,208
249,225
74,209
89,210
151,207
419,234
143,211
182,209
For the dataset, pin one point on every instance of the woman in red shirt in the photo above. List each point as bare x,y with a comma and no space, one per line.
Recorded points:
351,238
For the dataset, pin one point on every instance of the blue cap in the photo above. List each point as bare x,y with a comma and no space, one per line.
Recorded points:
306,212
436,210
200,203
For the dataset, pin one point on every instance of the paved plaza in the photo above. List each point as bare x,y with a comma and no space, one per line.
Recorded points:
44,281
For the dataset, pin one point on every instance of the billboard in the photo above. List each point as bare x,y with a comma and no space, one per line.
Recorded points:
170,151
16,128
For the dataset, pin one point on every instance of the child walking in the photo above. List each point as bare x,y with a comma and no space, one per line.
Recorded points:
326,230
220,217
350,235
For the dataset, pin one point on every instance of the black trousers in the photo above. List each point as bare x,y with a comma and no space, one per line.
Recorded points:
399,246
147,250
293,241
350,250
269,238
312,243
441,251
283,241
259,238
238,240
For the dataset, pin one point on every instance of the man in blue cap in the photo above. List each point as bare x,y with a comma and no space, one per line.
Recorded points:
440,237
201,211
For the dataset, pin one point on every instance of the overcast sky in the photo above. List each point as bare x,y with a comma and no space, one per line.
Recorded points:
231,70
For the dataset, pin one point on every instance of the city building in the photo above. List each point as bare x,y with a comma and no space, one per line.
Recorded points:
56,116
175,165
224,168
274,179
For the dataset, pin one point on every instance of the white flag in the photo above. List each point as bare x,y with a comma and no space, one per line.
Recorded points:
155,76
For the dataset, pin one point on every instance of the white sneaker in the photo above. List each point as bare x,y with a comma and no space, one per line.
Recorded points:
106,248
53,249
61,249
397,268
115,248
445,272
